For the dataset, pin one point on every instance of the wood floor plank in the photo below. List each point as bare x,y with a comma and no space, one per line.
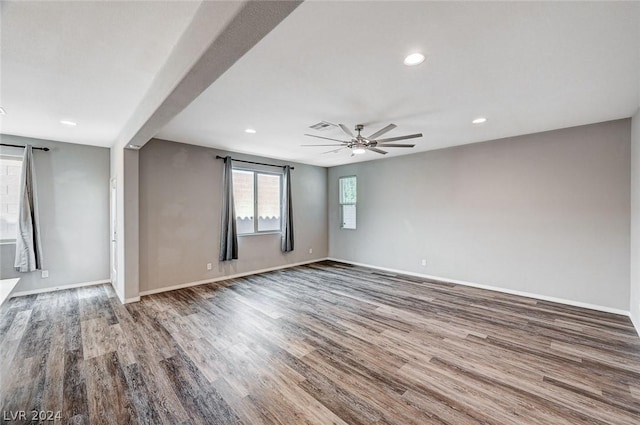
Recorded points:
141,398
75,407
325,343
202,402
107,391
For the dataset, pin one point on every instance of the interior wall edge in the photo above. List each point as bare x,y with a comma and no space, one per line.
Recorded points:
118,293
493,288
634,254
232,276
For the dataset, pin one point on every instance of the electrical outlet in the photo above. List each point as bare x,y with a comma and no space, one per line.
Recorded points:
209,266
424,261
310,250
45,274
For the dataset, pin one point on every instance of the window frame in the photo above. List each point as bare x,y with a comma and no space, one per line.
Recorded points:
13,156
255,200
343,204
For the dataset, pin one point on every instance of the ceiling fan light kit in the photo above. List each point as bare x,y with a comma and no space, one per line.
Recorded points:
358,144
414,59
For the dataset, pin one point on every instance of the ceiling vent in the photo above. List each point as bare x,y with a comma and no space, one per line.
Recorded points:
322,125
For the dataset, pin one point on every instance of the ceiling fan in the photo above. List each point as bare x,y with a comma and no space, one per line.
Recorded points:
360,144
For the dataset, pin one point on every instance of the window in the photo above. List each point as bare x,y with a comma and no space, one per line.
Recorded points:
10,167
348,198
257,194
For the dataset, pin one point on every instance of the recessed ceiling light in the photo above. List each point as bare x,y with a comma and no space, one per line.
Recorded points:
358,150
250,131
135,146
479,120
414,59
2,111
68,123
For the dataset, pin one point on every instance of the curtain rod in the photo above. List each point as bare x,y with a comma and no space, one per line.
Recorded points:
20,146
251,162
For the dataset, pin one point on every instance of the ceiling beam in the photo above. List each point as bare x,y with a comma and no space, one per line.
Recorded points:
219,35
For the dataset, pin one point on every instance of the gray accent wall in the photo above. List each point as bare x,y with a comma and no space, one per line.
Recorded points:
547,214
73,195
634,304
180,194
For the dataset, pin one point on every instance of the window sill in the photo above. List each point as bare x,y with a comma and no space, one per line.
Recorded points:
260,233
8,242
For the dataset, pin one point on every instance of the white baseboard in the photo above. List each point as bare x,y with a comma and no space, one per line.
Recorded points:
233,276
131,300
493,288
59,288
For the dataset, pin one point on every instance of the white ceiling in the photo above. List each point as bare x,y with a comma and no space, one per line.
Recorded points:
88,62
527,67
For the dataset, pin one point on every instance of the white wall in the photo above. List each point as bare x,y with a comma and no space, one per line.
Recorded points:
180,196
124,169
131,226
73,195
117,255
546,214
634,304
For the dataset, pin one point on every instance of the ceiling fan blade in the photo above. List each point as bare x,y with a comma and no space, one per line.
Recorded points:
346,130
325,145
393,139
320,137
333,151
377,150
382,131
399,145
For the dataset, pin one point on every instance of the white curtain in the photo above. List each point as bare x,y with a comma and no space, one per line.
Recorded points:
28,246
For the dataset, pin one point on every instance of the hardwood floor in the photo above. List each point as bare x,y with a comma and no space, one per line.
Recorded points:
325,343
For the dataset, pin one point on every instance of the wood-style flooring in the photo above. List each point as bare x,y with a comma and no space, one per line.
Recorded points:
325,343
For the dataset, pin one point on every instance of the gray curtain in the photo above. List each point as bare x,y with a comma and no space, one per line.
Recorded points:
228,233
287,213
28,247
